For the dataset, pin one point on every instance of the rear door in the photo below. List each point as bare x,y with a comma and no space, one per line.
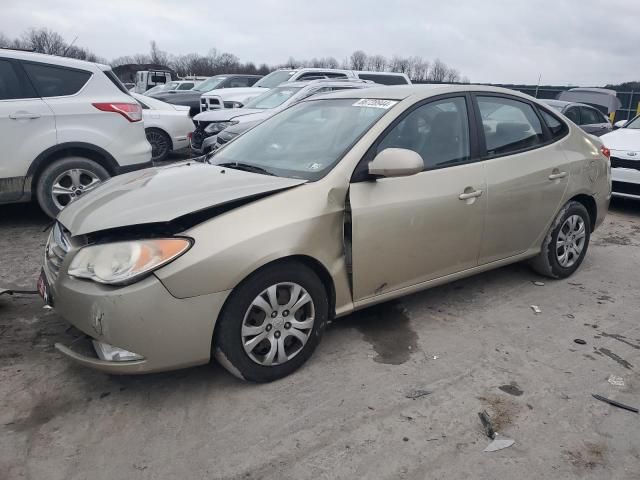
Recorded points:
408,230
27,128
527,174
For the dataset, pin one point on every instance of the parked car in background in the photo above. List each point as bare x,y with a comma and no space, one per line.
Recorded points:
217,99
191,98
624,144
173,86
167,126
211,123
590,119
146,79
65,126
336,203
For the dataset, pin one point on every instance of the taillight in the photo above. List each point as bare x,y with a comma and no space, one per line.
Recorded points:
605,151
130,111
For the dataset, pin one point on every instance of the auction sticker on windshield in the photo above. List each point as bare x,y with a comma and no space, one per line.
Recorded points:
375,103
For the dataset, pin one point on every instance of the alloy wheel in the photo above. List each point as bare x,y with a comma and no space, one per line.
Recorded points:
159,145
71,185
277,324
571,241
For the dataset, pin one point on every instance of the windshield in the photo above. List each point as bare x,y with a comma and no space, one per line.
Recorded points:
209,84
273,98
634,124
306,140
274,78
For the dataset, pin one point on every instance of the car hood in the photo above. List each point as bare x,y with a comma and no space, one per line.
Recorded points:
164,194
622,139
224,114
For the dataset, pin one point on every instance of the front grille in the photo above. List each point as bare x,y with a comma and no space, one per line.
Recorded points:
197,138
624,187
57,248
625,163
209,103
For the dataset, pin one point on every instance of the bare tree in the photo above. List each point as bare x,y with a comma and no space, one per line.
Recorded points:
43,41
358,60
157,56
452,76
376,63
438,71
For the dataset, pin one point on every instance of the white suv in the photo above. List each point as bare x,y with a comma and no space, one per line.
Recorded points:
65,126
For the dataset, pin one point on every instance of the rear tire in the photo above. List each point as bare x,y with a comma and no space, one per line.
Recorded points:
66,180
258,343
161,144
566,243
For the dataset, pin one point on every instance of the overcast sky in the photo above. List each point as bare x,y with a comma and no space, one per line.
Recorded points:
579,42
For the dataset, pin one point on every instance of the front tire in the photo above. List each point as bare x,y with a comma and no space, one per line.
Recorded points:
272,323
66,180
566,243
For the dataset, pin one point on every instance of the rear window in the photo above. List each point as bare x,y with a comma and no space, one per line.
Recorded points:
557,128
116,81
52,81
383,79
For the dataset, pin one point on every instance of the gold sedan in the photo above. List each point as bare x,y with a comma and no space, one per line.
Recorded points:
337,203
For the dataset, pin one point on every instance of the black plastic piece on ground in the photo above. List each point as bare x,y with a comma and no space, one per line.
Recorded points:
614,403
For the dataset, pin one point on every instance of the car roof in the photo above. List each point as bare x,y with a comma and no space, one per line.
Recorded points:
51,59
324,82
401,92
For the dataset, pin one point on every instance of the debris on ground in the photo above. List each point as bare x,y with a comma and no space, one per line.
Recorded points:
512,389
614,403
413,394
497,443
536,309
570,315
538,284
616,380
580,341
486,423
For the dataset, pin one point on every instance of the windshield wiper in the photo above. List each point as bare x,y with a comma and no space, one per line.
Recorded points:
246,168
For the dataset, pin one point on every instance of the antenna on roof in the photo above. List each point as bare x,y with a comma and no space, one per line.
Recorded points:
69,46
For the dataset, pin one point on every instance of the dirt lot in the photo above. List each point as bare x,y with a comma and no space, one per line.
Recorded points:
476,344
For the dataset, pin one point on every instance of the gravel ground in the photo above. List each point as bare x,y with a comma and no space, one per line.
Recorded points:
475,344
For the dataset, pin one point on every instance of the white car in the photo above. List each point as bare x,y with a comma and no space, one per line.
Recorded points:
174,86
167,126
65,126
218,99
624,145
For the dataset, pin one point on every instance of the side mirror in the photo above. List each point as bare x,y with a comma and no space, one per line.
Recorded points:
396,162
620,124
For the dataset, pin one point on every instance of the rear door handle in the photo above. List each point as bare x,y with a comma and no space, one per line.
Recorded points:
555,176
467,196
24,116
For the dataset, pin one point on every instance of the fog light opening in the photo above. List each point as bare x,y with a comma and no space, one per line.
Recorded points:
114,354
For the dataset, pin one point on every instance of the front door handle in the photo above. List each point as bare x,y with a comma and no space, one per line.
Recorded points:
24,116
557,175
468,195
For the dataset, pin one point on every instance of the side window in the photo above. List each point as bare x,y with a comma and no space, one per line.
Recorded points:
509,125
438,131
238,82
573,114
53,81
252,80
589,116
10,85
334,74
556,127
185,86
311,76
383,79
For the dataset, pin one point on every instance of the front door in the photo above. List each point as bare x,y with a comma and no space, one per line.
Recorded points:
408,230
527,175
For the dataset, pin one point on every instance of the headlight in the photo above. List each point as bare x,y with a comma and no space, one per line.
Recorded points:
121,263
217,127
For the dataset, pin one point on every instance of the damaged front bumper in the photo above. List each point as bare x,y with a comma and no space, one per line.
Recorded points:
139,328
